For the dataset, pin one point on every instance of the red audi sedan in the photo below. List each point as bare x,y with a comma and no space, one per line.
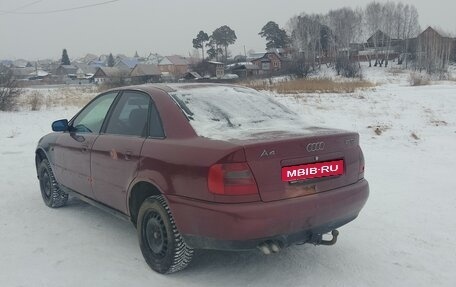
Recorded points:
204,166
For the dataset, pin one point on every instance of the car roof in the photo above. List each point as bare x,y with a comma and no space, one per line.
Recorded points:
168,88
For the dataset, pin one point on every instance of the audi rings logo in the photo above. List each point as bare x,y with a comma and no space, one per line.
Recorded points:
311,147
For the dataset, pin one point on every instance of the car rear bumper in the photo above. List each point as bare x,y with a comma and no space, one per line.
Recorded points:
206,225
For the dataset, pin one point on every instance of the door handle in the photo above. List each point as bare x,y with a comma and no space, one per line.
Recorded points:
127,155
85,148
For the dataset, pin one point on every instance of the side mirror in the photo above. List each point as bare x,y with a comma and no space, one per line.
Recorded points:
60,126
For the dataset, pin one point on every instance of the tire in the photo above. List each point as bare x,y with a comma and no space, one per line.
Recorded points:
52,195
161,244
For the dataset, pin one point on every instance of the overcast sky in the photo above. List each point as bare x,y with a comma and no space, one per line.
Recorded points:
163,26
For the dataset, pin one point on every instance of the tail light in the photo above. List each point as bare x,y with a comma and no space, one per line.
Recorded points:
361,165
231,179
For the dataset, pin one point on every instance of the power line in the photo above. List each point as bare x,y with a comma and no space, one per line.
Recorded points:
21,7
59,10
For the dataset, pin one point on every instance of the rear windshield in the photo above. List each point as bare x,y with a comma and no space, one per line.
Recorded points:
226,112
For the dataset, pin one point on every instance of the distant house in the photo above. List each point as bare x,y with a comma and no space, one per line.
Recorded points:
192,76
19,63
126,63
245,70
216,69
379,46
39,75
88,58
46,64
174,65
145,73
22,73
6,63
433,50
69,71
378,39
97,63
255,55
270,62
85,71
107,74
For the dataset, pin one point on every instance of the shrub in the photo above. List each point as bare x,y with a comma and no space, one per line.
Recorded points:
347,68
35,101
417,79
321,85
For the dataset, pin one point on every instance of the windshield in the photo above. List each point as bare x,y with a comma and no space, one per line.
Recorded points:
227,112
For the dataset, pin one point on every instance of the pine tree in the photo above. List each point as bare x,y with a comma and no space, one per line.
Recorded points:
276,37
65,59
111,61
223,37
198,42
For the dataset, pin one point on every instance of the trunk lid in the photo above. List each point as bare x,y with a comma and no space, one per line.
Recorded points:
268,153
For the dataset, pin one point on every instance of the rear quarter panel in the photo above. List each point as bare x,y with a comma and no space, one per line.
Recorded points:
180,167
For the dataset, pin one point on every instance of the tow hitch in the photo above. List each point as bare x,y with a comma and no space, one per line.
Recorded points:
318,239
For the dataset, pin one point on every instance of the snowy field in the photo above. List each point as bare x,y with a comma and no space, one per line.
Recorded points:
405,236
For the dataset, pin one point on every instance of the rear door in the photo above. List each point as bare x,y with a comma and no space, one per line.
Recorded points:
72,149
116,152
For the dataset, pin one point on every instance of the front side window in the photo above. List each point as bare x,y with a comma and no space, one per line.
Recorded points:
130,115
91,118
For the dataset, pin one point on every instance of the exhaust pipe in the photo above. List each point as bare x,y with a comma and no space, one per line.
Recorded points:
269,247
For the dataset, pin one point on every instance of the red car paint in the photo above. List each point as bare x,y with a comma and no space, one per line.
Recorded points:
106,168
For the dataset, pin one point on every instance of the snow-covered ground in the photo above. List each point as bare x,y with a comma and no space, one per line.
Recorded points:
405,236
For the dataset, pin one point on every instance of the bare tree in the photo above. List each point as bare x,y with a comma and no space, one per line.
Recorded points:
388,11
9,90
345,23
411,28
306,37
387,22
373,22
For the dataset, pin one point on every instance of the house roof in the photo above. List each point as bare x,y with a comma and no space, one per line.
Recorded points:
194,75
265,57
379,34
439,32
246,66
68,69
174,60
130,62
39,73
145,70
108,72
86,69
215,63
97,63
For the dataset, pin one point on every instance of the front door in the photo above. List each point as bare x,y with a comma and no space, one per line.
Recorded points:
73,148
116,152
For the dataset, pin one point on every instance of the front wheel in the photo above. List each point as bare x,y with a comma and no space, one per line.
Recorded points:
52,195
161,244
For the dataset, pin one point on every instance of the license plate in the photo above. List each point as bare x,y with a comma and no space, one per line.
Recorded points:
313,170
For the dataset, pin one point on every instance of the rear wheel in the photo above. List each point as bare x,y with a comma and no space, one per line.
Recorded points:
52,195
161,243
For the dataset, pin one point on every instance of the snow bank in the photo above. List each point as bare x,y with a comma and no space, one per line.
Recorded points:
403,237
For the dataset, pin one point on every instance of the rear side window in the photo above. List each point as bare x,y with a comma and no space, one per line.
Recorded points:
155,124
91,118
130,115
